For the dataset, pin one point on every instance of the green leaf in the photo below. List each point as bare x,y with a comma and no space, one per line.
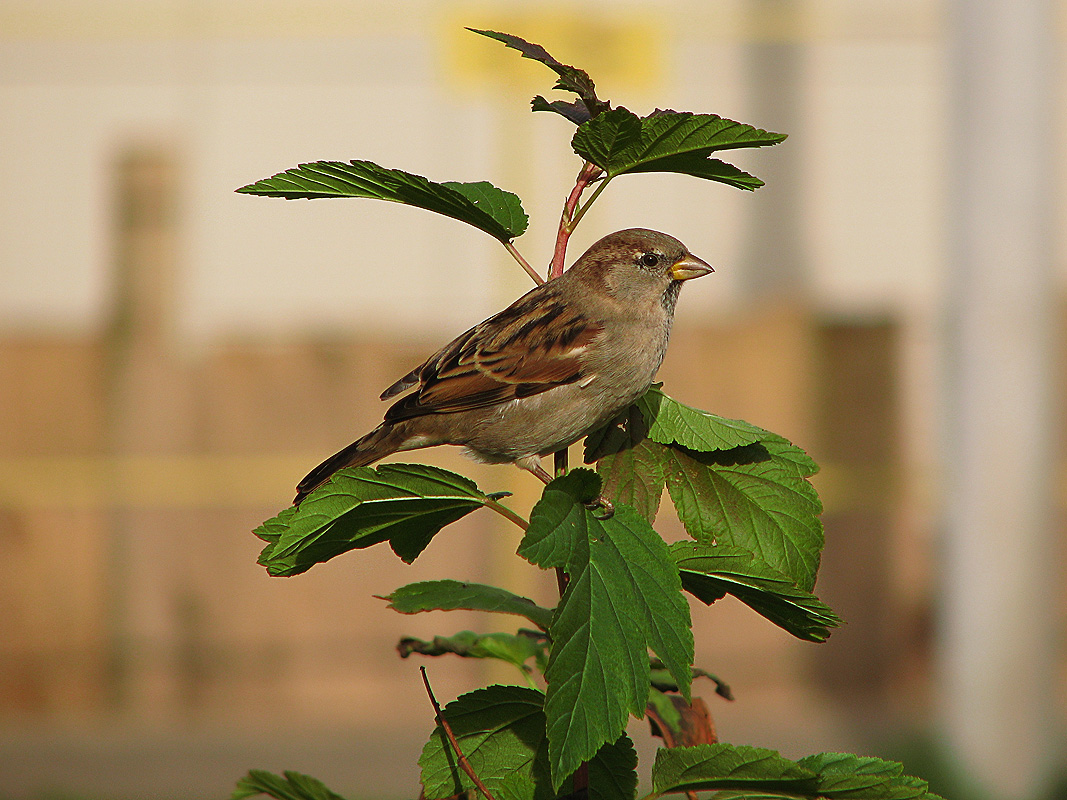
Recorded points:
495,211
618,141
733,483
623,597
756,498
504,207
700,166
845,776
293,786
671,422
709,572
404,504
613,771
631,466
515,649
749,773
448,595
501,731
570,79
726,766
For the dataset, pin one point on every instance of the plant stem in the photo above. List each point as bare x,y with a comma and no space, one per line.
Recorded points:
559,462
507,513
581,211
510,247
572,215
589,173
464,764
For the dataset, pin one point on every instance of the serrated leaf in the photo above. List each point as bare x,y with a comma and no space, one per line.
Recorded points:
293,786
501,731
570,79
504,207
404,504
576,112
709,572
618,141
700,166
725,766
446,595
844,776
748,773
613,771
622,598
515,649
671,422
630,465
495,211
756,498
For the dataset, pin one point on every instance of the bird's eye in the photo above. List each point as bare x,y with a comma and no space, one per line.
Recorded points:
650,259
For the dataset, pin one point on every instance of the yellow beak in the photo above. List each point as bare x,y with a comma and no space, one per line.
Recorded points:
690,267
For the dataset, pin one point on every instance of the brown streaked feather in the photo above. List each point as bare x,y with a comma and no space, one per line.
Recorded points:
403,384
504,358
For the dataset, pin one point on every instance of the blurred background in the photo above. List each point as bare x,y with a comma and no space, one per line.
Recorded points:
174,357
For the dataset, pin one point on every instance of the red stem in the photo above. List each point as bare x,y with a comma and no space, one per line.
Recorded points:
589,173
464,764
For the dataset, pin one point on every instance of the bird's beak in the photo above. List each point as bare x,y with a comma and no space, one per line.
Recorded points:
690,267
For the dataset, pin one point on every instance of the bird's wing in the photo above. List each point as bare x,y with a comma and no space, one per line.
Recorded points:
528,348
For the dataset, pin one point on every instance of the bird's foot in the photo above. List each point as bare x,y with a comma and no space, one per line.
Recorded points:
601,507
532,464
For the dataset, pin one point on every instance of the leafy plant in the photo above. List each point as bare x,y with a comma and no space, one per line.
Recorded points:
619,642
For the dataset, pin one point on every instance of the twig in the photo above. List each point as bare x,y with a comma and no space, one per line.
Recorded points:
507,513
464,764
590,172
510,246
582,209
559,462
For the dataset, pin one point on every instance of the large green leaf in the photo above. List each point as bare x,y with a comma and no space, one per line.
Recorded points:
709,572
618,141
733,483
755,497
291,786
725,766
630,464
749,773
501,731
448,595
844,776
671,422
495,211
404,504
623,597
700,166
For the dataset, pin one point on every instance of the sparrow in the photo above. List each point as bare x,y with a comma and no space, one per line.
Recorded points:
555,365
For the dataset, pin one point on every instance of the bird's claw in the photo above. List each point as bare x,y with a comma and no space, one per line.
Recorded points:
601,507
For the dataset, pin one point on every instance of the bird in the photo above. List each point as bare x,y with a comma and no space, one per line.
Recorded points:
558,363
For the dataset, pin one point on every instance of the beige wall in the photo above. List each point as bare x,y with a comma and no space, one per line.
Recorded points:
166,377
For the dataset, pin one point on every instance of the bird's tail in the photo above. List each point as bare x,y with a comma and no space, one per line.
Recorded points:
380,442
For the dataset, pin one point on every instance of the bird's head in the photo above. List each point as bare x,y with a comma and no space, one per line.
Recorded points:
638,264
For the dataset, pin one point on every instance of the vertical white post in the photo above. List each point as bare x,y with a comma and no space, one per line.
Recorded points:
997,620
